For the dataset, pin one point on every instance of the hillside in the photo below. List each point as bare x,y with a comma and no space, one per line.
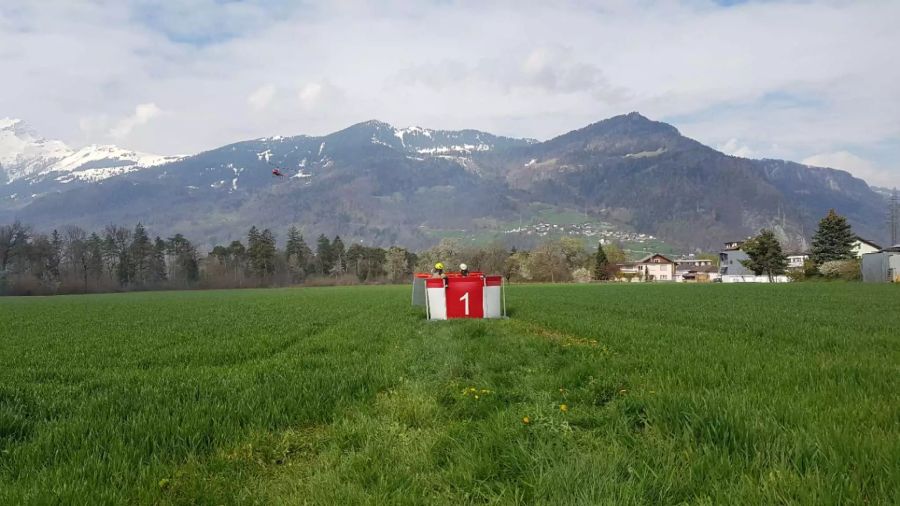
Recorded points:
382,185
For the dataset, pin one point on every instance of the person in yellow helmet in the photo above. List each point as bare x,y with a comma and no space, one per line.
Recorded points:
438,271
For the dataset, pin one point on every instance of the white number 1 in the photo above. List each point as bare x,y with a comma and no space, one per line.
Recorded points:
466,298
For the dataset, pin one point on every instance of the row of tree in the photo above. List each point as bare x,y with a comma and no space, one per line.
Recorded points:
831,254
74,260
120,258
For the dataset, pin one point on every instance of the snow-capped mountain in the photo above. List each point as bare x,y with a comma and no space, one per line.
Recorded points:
425,141
26,156
383,185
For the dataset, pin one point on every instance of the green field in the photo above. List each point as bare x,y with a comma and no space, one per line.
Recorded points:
716,394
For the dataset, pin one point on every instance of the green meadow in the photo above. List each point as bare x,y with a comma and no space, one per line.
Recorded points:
588,394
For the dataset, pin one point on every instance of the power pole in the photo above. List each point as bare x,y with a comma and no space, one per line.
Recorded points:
895,216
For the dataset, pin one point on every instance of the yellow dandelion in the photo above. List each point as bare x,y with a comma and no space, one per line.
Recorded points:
526,420
564,408
476,396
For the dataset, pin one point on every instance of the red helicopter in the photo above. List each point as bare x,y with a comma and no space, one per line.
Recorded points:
276,172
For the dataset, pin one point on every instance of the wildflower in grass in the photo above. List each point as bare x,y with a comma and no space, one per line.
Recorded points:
475,392
164,483
526,420
564,408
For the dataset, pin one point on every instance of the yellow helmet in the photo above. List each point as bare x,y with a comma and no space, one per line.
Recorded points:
439,266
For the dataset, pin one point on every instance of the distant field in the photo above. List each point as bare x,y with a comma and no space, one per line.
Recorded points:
717,394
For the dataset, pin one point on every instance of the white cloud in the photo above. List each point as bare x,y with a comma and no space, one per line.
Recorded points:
309,94
261,97
734,148
785,79
142,115
856,165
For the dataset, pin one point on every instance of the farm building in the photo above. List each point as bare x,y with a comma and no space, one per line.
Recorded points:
883,266
861,247
703,274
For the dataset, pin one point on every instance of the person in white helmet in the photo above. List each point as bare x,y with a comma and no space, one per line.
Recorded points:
463,270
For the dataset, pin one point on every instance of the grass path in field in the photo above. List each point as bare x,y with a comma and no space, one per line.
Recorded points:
699,394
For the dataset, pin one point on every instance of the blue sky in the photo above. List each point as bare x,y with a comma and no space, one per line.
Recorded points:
801,80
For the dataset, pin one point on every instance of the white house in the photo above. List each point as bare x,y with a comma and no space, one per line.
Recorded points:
656,267
861,247
692,262
796,260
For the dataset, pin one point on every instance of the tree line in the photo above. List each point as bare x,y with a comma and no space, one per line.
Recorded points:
73,260
118,258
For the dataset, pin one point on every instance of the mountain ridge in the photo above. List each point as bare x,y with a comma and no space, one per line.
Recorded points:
380,184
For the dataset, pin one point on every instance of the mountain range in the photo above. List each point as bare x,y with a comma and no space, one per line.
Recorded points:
382,185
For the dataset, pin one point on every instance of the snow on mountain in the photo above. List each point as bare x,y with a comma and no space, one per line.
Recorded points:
24,154
418,140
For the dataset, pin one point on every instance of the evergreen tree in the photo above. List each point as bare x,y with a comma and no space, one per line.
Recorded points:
255,251
141,255
266,253
324,258
118,242
55,256
185,268
833,239
297,253
765,255
158,261
601,264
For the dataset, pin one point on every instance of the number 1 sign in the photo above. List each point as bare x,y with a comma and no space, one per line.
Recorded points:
465,298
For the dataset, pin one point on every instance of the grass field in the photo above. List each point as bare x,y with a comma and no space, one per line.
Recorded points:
632,394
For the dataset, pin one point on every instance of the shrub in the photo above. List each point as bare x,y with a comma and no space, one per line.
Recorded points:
847,270
581,275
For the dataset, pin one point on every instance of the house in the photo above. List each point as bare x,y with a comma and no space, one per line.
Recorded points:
730,260
627,271
796,260
861,247
656,267
883,266
731,270
690,262
704,274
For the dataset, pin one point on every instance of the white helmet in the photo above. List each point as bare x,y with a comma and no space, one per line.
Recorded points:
463,267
